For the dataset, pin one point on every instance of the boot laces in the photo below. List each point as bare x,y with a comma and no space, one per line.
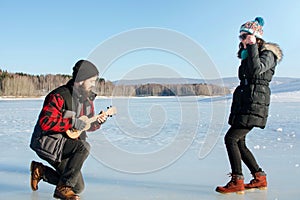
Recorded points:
254,181
65,189
232,180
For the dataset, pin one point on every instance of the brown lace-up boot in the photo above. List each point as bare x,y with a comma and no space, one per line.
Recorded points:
37,171
259,181
236,184
65,193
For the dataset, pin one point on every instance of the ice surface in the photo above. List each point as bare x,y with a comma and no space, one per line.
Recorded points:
151,150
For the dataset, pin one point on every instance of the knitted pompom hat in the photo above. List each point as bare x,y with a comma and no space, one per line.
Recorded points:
254,27
83,70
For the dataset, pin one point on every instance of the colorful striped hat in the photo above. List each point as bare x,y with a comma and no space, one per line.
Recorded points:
254,27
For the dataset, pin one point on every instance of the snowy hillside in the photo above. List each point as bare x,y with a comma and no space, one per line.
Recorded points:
278,84
290,85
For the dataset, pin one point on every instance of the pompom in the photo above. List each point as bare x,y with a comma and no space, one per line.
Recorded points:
260,21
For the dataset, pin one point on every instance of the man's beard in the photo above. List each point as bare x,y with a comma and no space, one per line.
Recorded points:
84,92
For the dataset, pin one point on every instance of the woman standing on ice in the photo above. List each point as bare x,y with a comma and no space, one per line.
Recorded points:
250,104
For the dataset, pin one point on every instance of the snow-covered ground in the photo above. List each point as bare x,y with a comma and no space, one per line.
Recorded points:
159,148
286,97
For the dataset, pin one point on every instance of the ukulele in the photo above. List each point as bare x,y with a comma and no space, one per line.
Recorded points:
73,133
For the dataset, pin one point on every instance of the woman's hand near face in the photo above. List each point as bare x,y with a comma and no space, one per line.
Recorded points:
251,39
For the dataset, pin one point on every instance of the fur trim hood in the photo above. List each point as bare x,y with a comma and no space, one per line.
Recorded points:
274,48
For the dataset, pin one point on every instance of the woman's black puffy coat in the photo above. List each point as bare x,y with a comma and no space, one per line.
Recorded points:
251,99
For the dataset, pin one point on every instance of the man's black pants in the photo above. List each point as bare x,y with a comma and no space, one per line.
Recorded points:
68,171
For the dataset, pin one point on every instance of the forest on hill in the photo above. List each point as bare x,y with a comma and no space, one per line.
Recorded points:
26,85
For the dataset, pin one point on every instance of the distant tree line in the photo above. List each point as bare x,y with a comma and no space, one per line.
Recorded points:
152,89
20,84
26,85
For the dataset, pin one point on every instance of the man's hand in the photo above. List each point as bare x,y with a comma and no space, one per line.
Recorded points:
102,117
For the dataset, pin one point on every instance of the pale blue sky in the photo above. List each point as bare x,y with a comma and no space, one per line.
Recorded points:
41,37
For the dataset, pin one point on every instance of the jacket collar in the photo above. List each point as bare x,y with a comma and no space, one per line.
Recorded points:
274,48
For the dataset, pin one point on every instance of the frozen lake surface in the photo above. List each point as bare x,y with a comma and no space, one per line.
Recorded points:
158,148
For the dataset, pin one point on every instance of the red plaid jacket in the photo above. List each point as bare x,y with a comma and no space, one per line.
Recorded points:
51,117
